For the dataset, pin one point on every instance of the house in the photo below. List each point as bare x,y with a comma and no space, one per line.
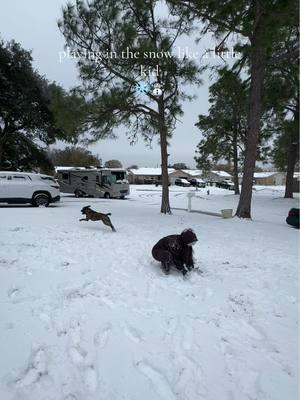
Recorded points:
218,176
273,178
296,182
193,173
152,175
178,173
141,176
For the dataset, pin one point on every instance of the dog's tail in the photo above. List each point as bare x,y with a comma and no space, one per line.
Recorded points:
108,214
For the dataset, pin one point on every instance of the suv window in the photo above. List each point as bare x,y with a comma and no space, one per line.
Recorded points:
20,178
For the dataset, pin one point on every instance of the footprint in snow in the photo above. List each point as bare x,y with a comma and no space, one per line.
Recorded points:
70,397
35,370
77,355
90,379
133,334
13,293
101,338
17,229
157,378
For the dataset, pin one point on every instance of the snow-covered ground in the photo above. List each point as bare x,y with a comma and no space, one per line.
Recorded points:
87,314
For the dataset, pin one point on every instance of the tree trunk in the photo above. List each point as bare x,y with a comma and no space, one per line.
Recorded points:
235,166
254,114
1,154
292,157
165,202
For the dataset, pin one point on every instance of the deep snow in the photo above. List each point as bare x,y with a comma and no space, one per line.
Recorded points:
87,314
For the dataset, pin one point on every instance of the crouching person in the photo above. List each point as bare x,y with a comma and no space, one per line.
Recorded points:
176,250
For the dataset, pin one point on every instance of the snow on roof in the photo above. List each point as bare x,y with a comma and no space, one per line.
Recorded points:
222,173
87,169
149,171
74,168
192,172
264,174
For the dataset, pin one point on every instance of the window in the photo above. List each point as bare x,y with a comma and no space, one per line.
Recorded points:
118,175
106,180
65,176
85,178
19,178
2,177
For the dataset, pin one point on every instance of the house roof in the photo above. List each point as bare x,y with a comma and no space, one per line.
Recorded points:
149,171
222,174
264,174
74,168
192,172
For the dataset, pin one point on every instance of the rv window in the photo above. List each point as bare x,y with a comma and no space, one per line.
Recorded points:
85,178
106,180
97,178
118,175
65,176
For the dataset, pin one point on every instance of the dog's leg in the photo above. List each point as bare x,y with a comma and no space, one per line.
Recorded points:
83,219
112,227
107,222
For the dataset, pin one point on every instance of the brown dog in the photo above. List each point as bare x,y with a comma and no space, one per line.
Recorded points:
96,216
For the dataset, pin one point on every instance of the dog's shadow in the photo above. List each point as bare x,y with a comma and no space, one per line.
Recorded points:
98,228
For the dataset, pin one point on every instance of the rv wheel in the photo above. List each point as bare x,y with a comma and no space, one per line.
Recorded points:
106,195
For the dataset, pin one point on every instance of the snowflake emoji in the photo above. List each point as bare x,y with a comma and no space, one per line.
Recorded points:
142,87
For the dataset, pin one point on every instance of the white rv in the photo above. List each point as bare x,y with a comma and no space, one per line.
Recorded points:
96,182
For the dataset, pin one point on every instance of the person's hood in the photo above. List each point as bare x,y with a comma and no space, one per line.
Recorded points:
188,236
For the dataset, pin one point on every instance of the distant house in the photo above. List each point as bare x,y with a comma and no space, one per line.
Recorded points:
146,175
178,173
218,176
269,178
296,182
152,175
193,173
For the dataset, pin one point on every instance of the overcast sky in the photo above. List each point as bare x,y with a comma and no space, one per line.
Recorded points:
33,23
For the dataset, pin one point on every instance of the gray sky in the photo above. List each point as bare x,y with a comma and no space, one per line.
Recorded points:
33,23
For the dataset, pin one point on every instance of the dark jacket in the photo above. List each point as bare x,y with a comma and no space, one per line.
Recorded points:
177,246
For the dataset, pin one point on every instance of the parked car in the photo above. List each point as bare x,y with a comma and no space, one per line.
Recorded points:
197,182
159,183
25,187
182,182
225,185
293,217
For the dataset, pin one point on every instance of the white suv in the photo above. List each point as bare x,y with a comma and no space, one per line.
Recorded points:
25,187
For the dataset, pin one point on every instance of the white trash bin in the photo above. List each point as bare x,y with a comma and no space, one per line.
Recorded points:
227,213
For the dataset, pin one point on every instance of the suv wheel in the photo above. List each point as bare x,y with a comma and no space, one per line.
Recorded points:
41,200
106,195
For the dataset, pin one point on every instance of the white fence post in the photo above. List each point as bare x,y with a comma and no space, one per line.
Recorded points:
189,196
